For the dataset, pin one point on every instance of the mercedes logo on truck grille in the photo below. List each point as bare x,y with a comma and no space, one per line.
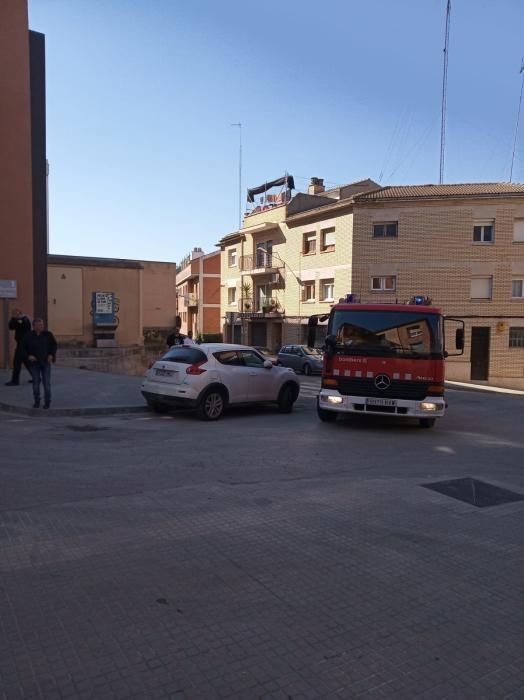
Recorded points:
382,382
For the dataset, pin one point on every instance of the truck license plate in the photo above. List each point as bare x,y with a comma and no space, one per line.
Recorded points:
381,402
163,373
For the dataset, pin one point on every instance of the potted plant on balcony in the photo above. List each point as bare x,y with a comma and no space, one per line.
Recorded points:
246,292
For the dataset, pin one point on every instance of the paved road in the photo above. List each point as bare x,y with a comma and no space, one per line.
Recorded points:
263,556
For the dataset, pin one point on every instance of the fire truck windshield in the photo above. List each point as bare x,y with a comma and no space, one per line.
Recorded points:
365,332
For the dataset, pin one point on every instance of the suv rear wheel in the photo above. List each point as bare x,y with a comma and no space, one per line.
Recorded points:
211,405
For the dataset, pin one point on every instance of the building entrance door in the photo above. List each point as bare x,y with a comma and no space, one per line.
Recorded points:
480,337
259,334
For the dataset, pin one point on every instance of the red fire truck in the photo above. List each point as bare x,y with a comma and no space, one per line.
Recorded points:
386,359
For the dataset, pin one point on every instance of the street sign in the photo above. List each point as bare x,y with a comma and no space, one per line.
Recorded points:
8,289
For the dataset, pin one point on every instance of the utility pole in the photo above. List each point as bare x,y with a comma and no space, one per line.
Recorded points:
444,95
518,119
239,173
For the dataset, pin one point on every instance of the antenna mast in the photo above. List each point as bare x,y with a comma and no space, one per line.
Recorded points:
444,95
517,124
239,173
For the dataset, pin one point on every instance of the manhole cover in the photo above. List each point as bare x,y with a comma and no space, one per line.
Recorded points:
478,493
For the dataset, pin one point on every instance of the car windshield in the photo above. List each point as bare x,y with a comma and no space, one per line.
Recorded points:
387,332
186,355
317,352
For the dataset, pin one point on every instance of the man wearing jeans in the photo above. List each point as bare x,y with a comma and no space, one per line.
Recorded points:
39,347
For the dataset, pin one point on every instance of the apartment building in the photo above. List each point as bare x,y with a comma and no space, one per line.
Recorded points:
463,246
290,260
23,175
198,293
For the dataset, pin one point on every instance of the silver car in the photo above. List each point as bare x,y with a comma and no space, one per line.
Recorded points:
301,358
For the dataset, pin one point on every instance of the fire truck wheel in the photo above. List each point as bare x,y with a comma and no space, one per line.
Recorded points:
427,422
326,416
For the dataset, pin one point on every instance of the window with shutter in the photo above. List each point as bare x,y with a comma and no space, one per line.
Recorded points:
518,231
327,237
481,287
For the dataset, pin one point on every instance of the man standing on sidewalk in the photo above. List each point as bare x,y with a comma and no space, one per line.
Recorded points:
39,347
21,325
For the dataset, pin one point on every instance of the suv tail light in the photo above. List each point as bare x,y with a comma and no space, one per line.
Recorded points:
195,369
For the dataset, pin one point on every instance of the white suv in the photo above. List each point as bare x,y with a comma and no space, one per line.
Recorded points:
210,376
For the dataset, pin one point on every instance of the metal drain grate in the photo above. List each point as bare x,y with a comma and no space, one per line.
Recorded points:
477,493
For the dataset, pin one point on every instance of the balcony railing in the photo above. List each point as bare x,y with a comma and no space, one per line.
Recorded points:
260,262
260,305
269,305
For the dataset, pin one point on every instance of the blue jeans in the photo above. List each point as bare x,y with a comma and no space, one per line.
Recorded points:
41,371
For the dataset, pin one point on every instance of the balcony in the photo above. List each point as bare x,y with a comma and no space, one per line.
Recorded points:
261,306
260,264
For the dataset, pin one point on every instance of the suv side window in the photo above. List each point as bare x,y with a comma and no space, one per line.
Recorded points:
230,358
251,359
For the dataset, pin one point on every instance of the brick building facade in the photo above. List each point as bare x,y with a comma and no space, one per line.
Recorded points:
462,245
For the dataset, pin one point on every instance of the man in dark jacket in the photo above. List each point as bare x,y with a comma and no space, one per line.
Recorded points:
21,325
175,338
39,347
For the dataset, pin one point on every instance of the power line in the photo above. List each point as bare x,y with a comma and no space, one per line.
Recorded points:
444,95
517,124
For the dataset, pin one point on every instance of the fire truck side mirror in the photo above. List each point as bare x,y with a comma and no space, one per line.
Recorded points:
459,339
331,344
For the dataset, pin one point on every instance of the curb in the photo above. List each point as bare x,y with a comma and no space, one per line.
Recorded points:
462,386
63,412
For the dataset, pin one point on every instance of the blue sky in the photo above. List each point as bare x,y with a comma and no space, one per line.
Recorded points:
141,95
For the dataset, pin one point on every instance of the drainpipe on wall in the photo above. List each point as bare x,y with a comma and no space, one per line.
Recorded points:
200,307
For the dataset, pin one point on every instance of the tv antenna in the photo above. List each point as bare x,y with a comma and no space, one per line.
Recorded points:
444,95
518,119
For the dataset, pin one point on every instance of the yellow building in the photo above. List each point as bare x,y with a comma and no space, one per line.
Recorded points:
462,245
288,262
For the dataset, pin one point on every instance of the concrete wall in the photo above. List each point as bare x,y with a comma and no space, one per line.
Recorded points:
158,295
16,220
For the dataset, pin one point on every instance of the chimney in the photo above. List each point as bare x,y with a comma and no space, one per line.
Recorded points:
196,253
316,186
